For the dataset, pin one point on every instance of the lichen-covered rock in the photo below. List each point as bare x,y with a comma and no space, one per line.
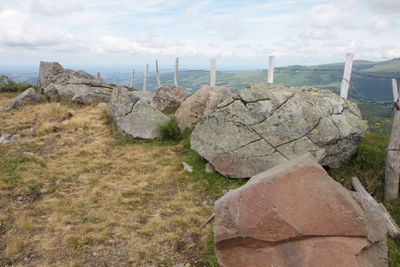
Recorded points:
29,96
200,104
134,117
167,98
78,86
296,215
267,124
145,96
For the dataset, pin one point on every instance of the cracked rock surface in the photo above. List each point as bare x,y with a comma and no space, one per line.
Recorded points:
266,124
62,84
296,215
133,116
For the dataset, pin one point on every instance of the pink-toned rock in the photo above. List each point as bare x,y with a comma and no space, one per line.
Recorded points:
167,97
202,102
296,215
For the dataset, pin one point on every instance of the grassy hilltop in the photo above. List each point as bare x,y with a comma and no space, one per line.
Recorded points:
89,196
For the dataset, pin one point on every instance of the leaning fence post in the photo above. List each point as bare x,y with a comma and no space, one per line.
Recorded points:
344,88
271,67
158,75
213,72
146,71
133,79
392,161
176,72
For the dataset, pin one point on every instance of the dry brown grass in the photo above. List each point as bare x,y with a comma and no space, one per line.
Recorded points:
87,201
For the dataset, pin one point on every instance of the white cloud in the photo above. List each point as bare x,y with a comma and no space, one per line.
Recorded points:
384,6
52,7
378,24
18,30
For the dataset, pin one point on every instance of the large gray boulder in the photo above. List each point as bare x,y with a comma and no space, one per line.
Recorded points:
133,116
267,124
296,215
200,104
62,84
28,96
168,97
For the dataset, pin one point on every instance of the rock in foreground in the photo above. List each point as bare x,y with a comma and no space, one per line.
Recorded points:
167,98
28,96
296,215
268,124
134,117
200,104
78,86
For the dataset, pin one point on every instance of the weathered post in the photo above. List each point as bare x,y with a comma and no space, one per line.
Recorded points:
213,72
146,72
133,79
271,68
176,72
158,75
344,88
392,161
98,75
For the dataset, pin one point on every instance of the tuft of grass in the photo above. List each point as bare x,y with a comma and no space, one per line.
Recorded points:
169,130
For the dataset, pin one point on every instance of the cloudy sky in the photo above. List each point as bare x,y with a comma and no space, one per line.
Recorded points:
239,33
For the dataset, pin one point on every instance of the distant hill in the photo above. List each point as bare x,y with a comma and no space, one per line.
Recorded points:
327,76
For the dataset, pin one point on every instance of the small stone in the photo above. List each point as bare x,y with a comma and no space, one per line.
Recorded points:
27,153
209,168
8,138
21,198
179,265
102,105
187,167
187,238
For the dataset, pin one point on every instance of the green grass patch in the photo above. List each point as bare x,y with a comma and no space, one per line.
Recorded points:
169,130
368,165
10,168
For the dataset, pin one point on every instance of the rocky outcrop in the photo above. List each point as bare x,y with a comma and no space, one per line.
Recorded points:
62,84
28,96
296,215
134,117
167,98
268,124
200,104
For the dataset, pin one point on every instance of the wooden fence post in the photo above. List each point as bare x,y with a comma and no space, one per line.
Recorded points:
133,79
176,72
392,161
344,88
98,75
213,72
391,225
158,76
271,68
146,72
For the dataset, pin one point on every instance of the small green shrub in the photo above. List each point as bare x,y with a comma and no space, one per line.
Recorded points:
8,85
169,130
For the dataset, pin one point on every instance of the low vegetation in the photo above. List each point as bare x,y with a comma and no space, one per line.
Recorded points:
8,85
89,196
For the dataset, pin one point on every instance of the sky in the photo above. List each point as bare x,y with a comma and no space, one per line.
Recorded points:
240,34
